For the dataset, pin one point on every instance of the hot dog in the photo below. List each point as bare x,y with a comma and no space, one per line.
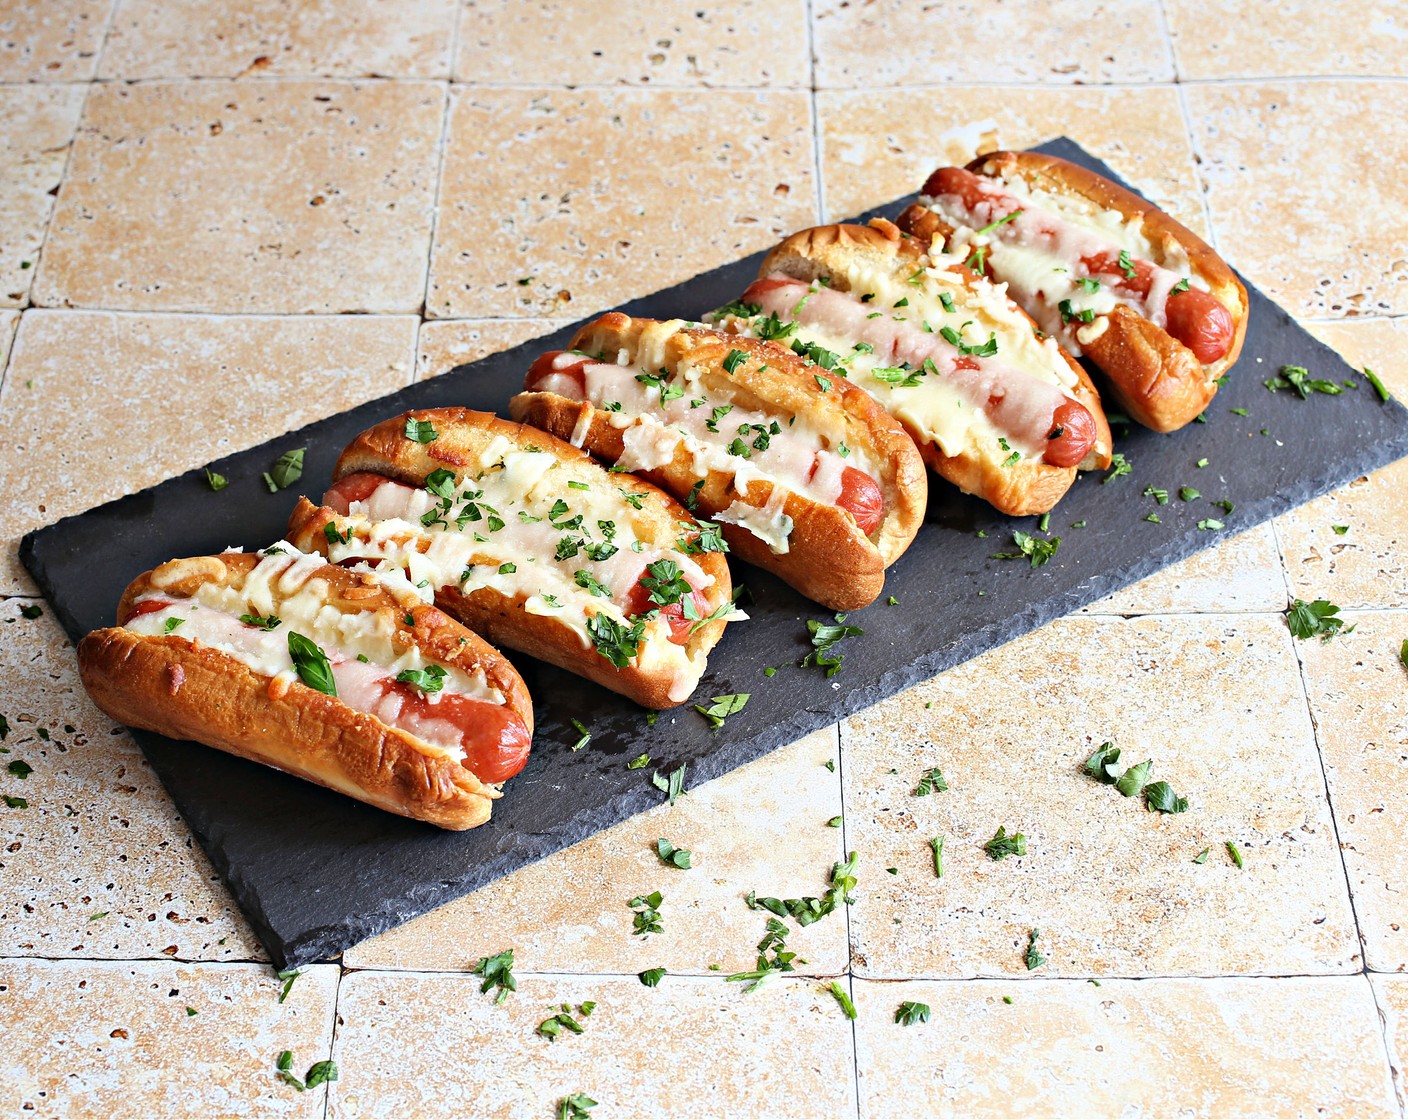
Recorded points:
332,675
1100,269
528,541
807,476
995,409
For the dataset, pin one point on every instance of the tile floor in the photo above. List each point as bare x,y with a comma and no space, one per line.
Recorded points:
232,218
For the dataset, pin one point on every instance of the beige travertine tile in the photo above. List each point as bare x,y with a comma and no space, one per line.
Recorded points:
891,43
1225,1047
1242,573
9,320
1359,699
252,196
447,343
215,385
98,836
54,41
36,128
1215,702
1392,995
1294,38
602,195
1287,221
690,1047
1363,567
116,1040
675,42
761,827
875,147
326,38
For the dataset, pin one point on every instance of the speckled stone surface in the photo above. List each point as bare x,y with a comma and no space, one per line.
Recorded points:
151,1038
250,38
36,126
221,383
783,1050
258,197
636,42
613,194
1226,1047
607,150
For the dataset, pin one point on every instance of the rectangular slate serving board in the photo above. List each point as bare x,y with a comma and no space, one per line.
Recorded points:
315,872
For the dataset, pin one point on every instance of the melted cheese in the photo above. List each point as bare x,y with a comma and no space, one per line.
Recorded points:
287,585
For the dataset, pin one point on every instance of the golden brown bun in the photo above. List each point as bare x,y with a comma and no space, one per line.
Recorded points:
463,435
829,559
185,690
1028,487
1156,379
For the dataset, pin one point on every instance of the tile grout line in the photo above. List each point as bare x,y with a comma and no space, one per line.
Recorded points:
818,188
1388,1045
1166,36
332,1034
441,150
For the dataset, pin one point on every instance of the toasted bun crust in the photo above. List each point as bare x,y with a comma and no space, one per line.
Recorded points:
463,435
829,558
1153,376
185,690
840,252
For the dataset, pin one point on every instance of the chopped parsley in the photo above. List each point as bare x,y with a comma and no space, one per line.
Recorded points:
1373,379
640,762
1127,265
710,538
287,470
1159,495
421,431
1119,466
1210,523
931,782
723,707
1188,494
982,350
215,481
1318,619
651,976
1299,379
1031,548
824,636
1236,854
910,1013
552,1027
498,973
1086,315
429,679
170,625
577,1106
847,1007
673,785
584,736
936,845
675,857
615,641
994,225
1002,845
1034,957
1202,857
661,383
645,913
719,412
733,360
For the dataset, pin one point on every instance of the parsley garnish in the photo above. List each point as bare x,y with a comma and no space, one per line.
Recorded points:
429,679
824,636
668,853
498,973
672,786
1127,265
1202,857
1188,494
823,383
651,976
718,414
1034,958
691,500
1373,379
1235,852
287,470
815,353
1299,379
1086,315
585,579
983,350
1307,620
732,360
311,664
640,762
1119,466
710,539
1001,845
421,431
215,481
723,707
646,913
665,583
936,845
808,910
994,225
848,1009
615,641
1160,496
931,782
575,1107
585,736
910,1013
1035,549
553,1026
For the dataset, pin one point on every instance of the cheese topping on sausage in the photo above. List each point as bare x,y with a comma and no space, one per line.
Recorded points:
286,592
519,526
663,411
1039,256
957,364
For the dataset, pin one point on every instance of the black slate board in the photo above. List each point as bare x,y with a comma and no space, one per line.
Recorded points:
315,872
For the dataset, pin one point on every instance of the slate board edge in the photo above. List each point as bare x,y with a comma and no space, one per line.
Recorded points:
322,941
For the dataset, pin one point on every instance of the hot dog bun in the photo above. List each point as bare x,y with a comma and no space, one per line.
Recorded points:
517,563
224,694
779,480
878,303
1162,349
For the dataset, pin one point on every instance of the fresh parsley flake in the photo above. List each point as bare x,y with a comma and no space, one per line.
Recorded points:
651,976
910,1013
287,470
936,846
823,637
420,431
1373,379
215,481
1002,845
673,785
1159,495
733,360
1317,619
498,973
1034,958
1119,466
675,857
931,782
1031,548
847,1007
723,707
640,762
1299,379
1236,854
646,913
311,664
